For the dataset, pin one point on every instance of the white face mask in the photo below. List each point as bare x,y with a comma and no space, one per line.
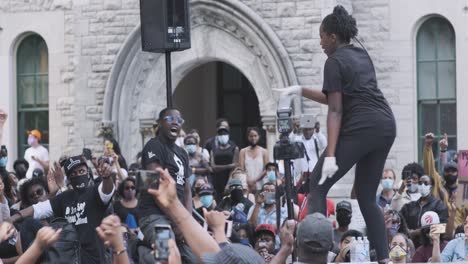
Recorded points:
223,140
424,190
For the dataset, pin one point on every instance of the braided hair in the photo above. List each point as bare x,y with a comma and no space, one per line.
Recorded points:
340,23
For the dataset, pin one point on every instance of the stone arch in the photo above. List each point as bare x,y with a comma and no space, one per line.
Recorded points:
222,30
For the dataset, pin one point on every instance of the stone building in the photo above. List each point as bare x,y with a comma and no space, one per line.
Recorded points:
75,67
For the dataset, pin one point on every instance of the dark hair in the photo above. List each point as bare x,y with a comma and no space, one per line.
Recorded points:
414,168
250,129
220,120
164,112
190,137
340,23
120,189
267,183
194,130
460,229
248,229
350,233
403,225
25,202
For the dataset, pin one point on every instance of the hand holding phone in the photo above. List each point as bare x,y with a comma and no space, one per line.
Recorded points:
87,153
438,228
163,233
147,179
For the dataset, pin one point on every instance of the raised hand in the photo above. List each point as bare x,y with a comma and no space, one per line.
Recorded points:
166,195
110,233
46,236
444,142
429,139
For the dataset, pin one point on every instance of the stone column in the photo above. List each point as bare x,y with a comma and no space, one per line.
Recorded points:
269,124
147,129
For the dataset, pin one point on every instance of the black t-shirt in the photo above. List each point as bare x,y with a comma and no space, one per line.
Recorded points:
211,142
349,70
122,212
170,157
86,210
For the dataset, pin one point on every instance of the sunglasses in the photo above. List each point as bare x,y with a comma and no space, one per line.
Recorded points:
38,192
174,119
130,188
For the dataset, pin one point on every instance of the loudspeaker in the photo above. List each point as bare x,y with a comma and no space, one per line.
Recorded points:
165,25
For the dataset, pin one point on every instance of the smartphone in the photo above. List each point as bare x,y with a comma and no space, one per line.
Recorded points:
87,153
307,121
147,179
163,233
440,228
3,151
227,228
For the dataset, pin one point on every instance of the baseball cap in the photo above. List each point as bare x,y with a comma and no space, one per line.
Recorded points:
205,190
314,237
451,165
73,162
223,128
429,218
38,173
233,254
35,133
344,205
235,182
265,228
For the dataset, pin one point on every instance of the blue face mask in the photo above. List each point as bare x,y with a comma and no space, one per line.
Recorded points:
191,148
271,176
191,180
387,184
244,241
206,200
3,161
223,139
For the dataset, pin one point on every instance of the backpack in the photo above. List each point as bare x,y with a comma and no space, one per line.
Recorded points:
67,249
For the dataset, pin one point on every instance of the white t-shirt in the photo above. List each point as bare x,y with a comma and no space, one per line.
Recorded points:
39,152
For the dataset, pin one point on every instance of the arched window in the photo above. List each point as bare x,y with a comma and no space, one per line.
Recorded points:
32,78
437,106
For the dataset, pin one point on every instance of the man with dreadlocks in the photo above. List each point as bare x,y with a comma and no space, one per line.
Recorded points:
360,122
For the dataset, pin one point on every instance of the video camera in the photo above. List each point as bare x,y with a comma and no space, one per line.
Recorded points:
285,149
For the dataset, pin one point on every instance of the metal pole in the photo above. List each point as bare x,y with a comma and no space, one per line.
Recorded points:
289,196
168,79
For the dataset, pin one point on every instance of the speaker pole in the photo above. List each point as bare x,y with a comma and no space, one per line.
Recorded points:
168,79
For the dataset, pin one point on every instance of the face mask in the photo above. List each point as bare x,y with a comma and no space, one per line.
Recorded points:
191,148
343,219
206,200
79,182
271,176
252,144
223,140
192,179
413,188
450,179
394,229
3,161
237,195
424,190
244,241
30,141
387,184
129,194
270,198
397,253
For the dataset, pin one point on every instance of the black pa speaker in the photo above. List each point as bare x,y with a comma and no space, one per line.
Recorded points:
165,25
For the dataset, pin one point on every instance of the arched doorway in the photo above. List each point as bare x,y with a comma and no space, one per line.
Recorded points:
222,31
214,90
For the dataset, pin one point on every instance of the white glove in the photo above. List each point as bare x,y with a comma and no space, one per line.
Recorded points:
329,169
290,90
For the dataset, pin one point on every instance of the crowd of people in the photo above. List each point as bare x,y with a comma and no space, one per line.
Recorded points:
92,210
182,200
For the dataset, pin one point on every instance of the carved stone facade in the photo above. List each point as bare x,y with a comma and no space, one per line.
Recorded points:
99,77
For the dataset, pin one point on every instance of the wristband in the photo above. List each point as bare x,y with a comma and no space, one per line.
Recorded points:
119,252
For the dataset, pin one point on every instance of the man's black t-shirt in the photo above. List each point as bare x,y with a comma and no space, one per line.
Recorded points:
170,157
86,210
349,70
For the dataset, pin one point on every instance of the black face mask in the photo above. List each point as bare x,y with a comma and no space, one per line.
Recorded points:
79,182
450,179
253,145
237,195
343,219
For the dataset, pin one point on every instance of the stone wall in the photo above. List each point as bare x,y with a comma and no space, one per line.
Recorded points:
96,29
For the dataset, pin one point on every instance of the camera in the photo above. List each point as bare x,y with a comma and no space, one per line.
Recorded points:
285,149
